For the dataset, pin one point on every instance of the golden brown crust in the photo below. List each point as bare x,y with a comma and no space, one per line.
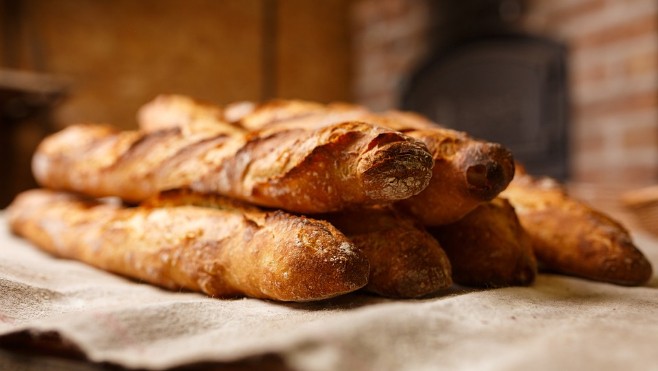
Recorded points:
235,111
102,161
168,111
405,260
281,114
466,173
488,247
571,238
223,252
308,171
328,169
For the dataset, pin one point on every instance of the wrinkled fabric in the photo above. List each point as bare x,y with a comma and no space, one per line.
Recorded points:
558,323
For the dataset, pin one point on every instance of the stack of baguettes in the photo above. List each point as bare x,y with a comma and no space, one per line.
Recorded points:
299,201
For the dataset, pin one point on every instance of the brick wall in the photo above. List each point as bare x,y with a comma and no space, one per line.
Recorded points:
612,66
390,37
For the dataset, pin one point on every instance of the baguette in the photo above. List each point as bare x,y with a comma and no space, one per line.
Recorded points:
466,172
405,260
306,171
571,238
192,116
280,114
488,247
178,111
222,253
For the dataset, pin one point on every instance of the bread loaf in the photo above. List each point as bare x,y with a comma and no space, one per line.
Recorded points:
570,237
488,247
307,171
221,252
178,111
283,114
405,260
168,111
466,172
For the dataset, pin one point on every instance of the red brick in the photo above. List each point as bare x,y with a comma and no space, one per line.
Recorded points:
576,11
629,103
637,136
593,141
617,175
643,63
645,25
584,174
637,174
590,74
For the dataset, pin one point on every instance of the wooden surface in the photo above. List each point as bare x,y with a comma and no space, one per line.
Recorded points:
120,54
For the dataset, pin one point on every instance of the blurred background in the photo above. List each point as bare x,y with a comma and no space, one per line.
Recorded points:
571,86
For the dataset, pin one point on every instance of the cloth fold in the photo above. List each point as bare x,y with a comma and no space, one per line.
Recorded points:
557,323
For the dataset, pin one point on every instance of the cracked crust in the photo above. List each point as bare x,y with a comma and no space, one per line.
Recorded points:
306,171
489,247
405,260
572,238
221,252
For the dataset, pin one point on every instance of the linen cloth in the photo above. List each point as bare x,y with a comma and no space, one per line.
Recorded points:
557,323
